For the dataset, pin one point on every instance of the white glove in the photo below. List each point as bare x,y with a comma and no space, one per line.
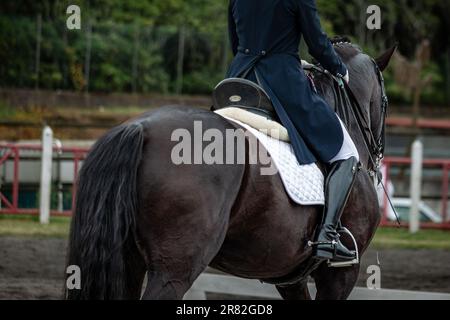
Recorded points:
347,77
306,64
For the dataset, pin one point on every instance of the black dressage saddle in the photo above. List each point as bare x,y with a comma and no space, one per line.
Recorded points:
244,94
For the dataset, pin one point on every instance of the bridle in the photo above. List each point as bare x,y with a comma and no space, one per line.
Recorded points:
344,96
375,144
384,107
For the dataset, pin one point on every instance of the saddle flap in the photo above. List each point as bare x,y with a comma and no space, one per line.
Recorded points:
242,93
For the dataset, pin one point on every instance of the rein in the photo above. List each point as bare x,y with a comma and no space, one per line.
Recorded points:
344,96
346,103
375,146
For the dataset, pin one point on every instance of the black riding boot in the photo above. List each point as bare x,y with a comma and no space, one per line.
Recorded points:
338,185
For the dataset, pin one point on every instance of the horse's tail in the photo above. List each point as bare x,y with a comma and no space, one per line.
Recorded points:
104,216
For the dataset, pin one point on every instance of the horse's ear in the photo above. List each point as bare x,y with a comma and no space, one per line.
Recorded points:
383,60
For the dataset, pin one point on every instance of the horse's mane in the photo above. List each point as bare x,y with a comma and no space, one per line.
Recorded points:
345,48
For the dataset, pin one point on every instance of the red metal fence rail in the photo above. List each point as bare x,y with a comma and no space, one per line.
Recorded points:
442,124
10,151
13,151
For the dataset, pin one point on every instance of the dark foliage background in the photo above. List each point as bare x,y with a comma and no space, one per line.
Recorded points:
134,45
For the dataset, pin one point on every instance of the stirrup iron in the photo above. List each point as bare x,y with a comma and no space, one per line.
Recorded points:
340,264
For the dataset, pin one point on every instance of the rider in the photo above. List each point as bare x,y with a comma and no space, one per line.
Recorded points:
265,37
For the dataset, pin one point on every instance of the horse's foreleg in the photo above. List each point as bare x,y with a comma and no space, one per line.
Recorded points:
335,283
361,217
298,291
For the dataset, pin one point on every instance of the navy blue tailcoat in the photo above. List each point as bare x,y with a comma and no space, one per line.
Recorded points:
265,37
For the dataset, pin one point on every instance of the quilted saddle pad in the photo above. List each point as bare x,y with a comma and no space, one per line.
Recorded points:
303,183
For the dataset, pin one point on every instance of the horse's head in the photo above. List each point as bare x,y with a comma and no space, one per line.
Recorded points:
367,85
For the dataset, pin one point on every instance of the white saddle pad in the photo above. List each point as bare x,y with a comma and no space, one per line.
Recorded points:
303,183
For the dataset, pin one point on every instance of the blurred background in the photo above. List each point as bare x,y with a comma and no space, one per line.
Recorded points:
135,55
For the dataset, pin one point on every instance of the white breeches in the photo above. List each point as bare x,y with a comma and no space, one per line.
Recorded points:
348,148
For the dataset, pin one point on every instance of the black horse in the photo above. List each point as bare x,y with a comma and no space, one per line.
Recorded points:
137,212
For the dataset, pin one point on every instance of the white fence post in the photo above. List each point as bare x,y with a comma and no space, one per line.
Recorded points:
416,184
46,175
